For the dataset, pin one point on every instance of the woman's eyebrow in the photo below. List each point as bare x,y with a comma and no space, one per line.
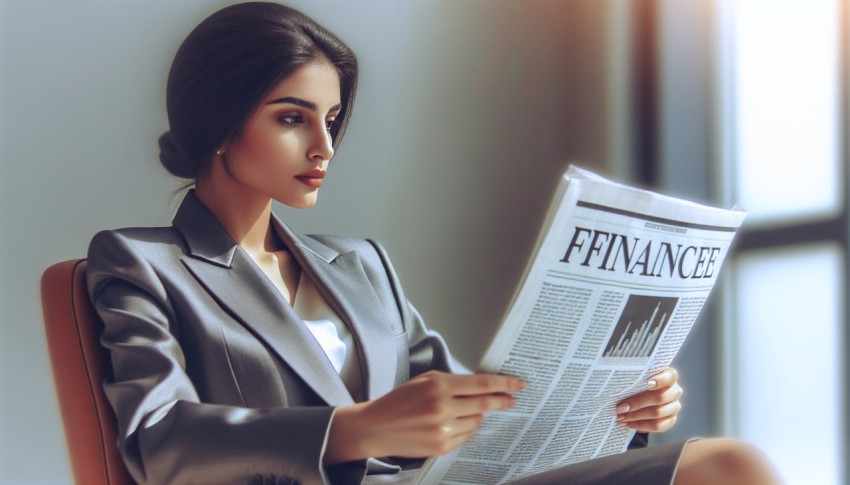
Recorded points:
302,102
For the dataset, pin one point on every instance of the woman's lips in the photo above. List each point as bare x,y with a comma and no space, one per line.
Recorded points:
312,179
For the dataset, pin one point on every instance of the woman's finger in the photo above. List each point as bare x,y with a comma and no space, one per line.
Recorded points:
651,413
476,384
477,405
652,425
650,398
450,435
665,378
454,442
466,425
437,383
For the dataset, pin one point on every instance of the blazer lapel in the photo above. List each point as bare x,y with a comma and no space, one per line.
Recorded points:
238,284
341,280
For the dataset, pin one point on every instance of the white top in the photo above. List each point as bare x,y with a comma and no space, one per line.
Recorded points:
331,333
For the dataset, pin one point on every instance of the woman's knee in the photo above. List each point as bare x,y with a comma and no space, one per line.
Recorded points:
726,461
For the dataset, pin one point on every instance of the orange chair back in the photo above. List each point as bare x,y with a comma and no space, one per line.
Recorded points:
79,366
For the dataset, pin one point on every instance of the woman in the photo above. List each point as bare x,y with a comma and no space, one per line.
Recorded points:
243,351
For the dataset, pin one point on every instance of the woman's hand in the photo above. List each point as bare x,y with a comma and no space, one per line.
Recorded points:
430,414
653,410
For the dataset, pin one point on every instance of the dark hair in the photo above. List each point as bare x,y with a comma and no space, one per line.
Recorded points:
228,64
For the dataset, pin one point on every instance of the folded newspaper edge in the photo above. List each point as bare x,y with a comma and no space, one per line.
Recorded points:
615,281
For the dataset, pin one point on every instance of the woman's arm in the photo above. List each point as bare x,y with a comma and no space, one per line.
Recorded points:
429,415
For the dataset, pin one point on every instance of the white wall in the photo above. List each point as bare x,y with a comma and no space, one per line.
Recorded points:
466,114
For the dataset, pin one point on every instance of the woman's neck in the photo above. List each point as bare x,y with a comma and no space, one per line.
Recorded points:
244,213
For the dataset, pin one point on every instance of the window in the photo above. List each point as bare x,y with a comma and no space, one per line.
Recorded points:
784,89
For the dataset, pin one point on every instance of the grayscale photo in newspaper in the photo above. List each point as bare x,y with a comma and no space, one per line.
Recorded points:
616,280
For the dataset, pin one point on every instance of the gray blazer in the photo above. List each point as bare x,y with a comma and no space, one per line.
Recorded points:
214,378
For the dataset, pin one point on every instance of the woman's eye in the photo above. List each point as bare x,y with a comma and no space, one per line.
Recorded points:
329,123
290,118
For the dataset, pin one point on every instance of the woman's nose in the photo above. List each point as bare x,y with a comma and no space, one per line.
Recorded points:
322,147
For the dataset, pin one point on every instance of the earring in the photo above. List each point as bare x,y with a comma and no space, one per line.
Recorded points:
218,152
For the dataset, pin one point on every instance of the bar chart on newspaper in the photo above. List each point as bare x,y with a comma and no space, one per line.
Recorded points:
638,331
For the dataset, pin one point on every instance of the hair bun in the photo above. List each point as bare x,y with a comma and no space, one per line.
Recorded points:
172,159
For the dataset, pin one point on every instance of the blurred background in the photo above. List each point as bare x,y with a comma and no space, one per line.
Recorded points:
467,114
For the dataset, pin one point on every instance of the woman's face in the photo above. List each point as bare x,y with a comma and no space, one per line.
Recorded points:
285,147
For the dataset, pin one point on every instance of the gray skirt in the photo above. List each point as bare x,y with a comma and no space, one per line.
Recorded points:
653,465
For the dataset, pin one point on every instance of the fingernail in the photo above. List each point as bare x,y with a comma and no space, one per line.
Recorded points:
651,384
522,384
623,408
621,418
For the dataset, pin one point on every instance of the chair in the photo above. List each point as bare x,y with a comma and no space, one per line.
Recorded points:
79,366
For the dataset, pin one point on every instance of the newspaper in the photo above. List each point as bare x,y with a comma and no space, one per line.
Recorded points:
615,282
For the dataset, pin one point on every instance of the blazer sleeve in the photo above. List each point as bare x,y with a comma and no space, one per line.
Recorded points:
166,435
427,348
